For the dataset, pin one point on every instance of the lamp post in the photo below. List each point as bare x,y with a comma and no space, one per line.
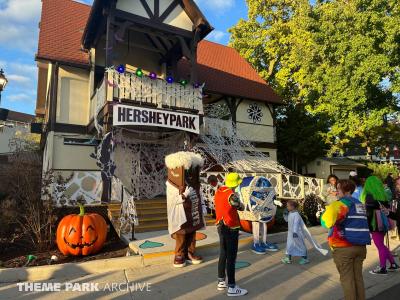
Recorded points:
3,82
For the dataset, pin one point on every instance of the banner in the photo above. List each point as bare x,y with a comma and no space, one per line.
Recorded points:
142,116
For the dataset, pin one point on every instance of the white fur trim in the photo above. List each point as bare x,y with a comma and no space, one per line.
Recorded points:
184,159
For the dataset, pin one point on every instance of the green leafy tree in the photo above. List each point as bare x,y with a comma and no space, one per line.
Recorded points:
338,59
299,136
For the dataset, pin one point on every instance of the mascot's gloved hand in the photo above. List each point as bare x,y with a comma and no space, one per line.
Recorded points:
278,203
234,200
295,235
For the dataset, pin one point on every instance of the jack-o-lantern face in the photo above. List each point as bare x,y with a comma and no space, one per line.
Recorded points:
81,234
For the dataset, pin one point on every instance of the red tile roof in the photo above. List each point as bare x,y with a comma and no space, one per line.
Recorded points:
225,71
222,68
61,29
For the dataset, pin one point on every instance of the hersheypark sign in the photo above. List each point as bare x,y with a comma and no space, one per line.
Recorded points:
129,115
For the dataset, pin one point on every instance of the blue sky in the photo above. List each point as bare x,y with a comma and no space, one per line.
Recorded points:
19,21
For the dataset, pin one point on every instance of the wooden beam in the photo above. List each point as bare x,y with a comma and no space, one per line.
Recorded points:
100,32
167,42
53,97
156,9
185,49
156,42
110,33
151,24
169,10
139,28
193,49
147,9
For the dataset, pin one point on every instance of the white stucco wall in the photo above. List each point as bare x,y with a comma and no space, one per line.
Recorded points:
73,98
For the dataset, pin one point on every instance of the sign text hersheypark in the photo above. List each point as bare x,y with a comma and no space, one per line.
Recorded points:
128,115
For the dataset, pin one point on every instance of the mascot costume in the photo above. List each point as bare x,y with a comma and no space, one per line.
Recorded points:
259,199
185,205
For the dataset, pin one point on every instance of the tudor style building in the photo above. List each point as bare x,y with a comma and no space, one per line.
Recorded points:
141,71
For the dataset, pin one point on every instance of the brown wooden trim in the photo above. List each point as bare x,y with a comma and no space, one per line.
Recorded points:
147,9
63,62
265,145
255,124
169,10
153,24
53,97
110,34
70,128
156,9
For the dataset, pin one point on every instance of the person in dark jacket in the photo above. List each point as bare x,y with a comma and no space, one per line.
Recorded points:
376,201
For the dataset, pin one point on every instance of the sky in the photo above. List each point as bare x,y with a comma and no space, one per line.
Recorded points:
19,21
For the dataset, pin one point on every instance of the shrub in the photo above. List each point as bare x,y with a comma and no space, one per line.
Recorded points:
382,170
310,208
27,211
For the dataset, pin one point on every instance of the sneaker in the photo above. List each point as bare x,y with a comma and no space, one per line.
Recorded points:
221,285
394,268
378,271
270,247
194,259
236,291
286,260
257,249
179,262
304,261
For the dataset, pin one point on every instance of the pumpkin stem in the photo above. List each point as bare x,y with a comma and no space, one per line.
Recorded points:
81,210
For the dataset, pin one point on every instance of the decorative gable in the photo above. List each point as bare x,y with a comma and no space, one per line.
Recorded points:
169,12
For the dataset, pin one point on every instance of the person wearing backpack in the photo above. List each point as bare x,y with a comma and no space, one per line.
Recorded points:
348,236
380,221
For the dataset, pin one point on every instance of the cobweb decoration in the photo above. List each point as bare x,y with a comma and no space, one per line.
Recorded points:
139,158
221,145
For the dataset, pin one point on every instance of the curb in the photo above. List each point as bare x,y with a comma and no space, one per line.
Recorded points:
74,270
69,270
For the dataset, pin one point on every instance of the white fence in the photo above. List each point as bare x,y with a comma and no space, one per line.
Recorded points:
286,186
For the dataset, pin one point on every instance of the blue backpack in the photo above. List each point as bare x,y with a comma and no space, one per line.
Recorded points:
355,227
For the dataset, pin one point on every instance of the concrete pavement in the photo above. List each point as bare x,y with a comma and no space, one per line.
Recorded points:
265,278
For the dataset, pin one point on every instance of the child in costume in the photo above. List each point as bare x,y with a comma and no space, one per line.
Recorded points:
227,204
297,234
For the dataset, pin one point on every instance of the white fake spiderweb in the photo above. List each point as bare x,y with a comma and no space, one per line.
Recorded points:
222,146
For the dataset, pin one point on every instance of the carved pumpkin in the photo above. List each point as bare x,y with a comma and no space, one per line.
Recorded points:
81,234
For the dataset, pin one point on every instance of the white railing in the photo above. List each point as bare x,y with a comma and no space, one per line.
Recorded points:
98,100
286,186
157,92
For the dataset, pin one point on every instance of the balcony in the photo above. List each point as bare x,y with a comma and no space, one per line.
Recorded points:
131,89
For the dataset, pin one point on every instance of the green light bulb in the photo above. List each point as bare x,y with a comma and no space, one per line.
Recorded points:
139,73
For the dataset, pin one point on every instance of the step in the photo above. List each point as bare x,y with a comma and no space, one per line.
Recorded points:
152,206
153,219
151,201
155,211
